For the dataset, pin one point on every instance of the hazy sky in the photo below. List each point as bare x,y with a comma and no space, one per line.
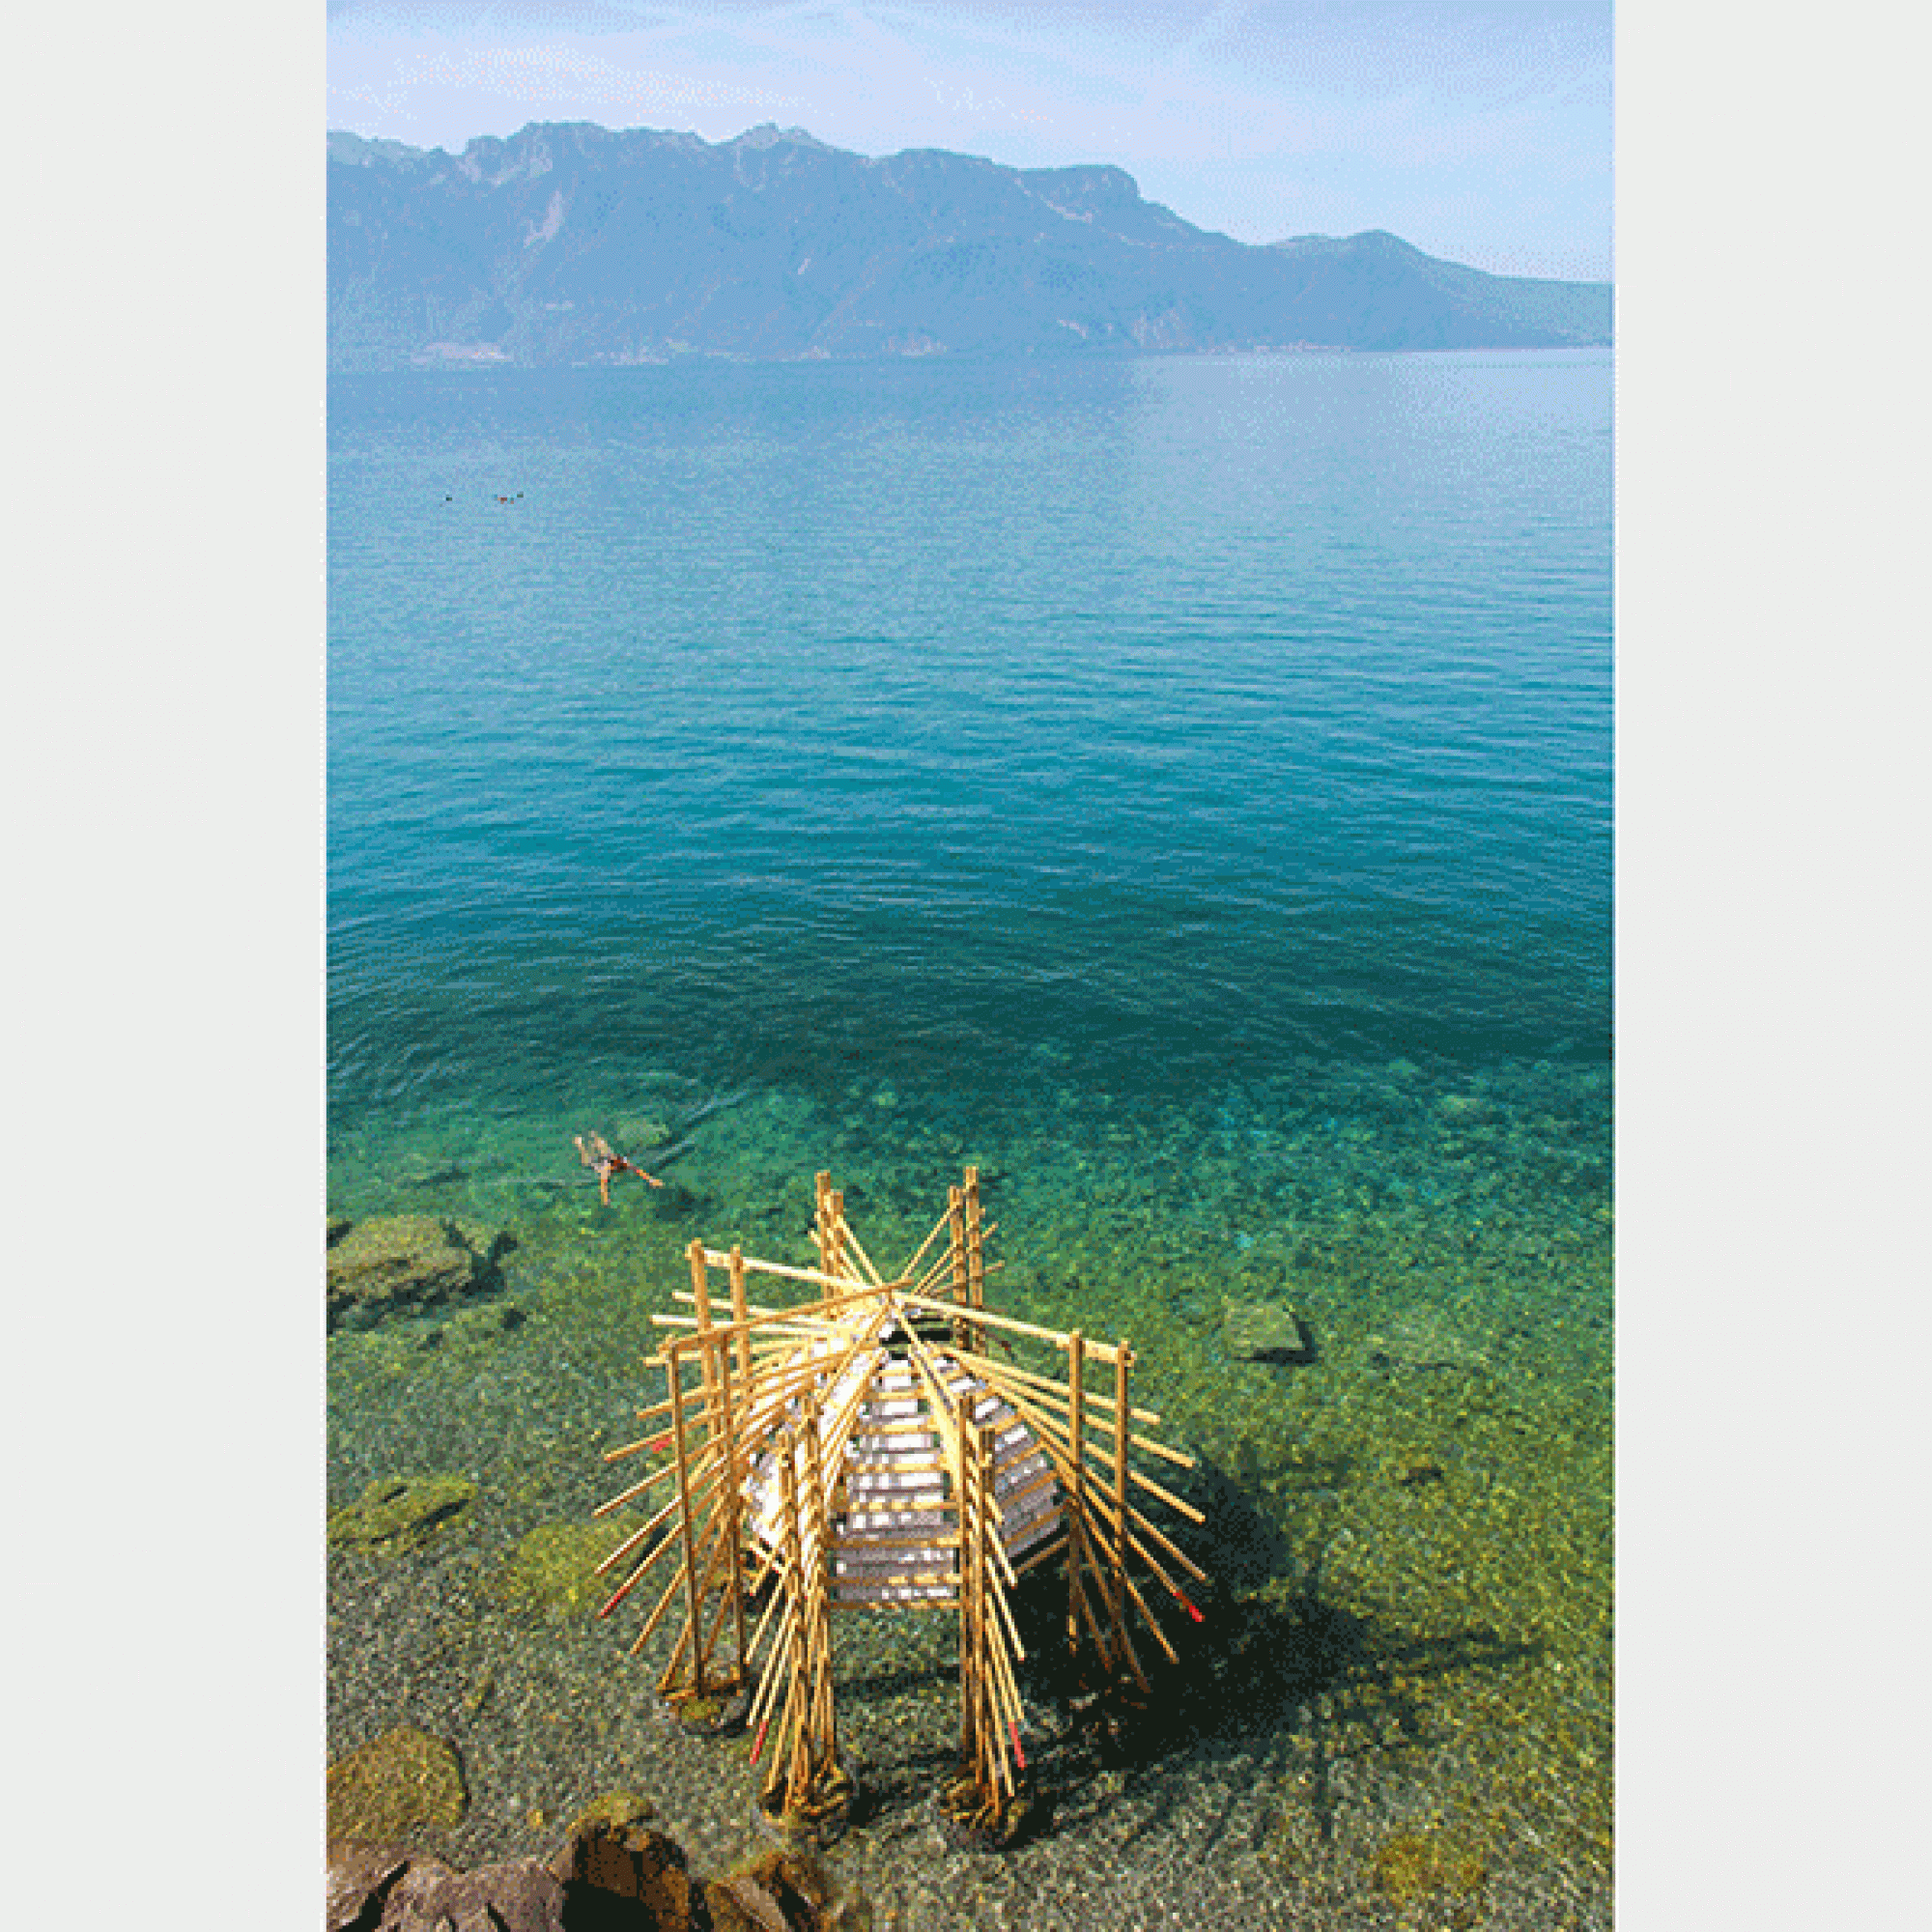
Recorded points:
1478,130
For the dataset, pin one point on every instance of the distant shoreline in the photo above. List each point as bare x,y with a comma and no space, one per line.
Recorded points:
574,246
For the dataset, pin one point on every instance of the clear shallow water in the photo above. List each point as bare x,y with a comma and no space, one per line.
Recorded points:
1180,788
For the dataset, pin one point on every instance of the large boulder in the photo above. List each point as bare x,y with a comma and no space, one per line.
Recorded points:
777,1892
520,1896
614,1872
617,1870
400,1262
360,1879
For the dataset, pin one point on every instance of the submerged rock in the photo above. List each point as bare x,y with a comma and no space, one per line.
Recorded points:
399,1263
554,1567
394,1787
397,1513
1413,1866
1265,1331
1425,1338
483,1323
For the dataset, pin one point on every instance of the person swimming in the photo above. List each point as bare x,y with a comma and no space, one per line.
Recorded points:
597,1154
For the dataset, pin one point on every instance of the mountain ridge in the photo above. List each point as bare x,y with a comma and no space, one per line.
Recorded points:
571,244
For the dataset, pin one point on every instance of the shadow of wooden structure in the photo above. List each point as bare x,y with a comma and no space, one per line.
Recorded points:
869,1447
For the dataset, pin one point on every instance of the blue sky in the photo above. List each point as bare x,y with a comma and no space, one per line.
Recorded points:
1481,133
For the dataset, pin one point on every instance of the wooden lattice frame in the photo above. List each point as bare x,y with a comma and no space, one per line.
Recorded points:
753,1407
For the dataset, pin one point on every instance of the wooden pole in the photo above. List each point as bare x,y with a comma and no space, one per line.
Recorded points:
716,1432
1118,1594
825,1737
976,1256
905,1273
786,1750
987,1631
851,1240
649,1482
836,1200
685,1529
740,1313
1041,1385
637,1536
956,1237
1076,1395
962,1498
1098,1352
718,1378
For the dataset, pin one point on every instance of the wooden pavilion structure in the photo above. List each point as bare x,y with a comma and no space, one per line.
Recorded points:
867,1448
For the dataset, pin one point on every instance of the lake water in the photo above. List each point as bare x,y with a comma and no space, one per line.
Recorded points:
1181,787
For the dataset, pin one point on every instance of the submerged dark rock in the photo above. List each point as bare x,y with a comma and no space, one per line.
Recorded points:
400,1262
397,1513
1264,1331
397,1784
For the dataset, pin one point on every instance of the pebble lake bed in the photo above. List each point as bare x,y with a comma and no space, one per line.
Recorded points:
1398,1710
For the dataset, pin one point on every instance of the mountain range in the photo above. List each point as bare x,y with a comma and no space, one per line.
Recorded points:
570,244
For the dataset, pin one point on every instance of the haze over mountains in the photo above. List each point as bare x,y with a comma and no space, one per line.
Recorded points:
569,244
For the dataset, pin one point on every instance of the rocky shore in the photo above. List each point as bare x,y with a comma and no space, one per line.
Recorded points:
613,1872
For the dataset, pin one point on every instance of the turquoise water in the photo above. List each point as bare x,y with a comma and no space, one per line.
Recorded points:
1190,716
1181,787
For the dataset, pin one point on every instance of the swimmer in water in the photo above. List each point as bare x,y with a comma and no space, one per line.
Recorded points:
596,1153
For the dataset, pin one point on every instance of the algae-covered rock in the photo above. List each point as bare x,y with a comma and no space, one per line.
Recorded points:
485,1323
1265,1331
553,1568
1420,1865
398,1262
1415,1469
614,1811
613,1853
395,1786
397,1513
1425,1338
